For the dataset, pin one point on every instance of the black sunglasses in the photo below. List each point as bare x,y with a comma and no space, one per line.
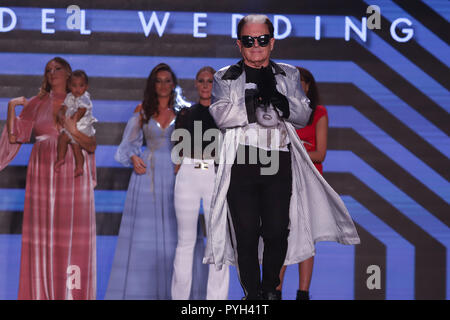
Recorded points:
248,41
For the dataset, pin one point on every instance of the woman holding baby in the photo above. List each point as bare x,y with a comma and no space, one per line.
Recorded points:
58,259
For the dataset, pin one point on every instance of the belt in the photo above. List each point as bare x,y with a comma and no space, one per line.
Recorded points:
204,164
43,137
201,165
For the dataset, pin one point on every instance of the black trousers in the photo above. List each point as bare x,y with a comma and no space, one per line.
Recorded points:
259,206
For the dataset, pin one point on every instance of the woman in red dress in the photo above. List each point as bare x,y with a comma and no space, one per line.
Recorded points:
314,138
58,258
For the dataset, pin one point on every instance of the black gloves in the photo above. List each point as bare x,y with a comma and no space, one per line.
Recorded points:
268,92
266,85
280,102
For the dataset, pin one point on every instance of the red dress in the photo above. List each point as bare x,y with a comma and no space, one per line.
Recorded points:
58,258
308,133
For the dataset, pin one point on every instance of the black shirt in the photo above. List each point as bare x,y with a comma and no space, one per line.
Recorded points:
186,119
253,75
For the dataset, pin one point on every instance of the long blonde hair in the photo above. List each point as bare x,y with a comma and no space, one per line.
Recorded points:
45,86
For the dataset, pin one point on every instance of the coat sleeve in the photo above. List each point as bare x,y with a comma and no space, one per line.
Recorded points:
227,109
299,110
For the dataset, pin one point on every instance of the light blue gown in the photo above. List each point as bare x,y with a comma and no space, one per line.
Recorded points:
145,251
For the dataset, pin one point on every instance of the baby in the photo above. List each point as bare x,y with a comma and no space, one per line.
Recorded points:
78,106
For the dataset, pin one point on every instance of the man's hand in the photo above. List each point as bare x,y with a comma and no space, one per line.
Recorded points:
269,94
267,85
280,102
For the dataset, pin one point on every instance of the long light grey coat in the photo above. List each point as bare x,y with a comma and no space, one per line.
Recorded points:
316,212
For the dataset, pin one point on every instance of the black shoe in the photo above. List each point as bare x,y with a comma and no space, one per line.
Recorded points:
272,295
250,297
302,295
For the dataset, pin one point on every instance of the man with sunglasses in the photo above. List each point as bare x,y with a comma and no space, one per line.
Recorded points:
251,100
258,203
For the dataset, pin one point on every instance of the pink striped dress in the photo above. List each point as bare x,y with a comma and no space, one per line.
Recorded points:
58,259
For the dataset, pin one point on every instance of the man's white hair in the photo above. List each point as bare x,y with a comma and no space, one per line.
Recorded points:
255,18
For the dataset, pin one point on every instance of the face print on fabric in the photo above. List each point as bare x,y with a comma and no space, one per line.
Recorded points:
266,116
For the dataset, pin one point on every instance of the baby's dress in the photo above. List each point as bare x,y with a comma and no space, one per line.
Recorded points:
86,123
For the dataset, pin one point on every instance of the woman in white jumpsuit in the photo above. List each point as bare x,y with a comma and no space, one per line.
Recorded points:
195,182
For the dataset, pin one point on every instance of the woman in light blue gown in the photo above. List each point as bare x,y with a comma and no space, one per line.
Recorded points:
143,261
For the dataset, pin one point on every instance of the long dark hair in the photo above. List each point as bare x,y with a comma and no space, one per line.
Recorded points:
150,102
313,92
45,86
